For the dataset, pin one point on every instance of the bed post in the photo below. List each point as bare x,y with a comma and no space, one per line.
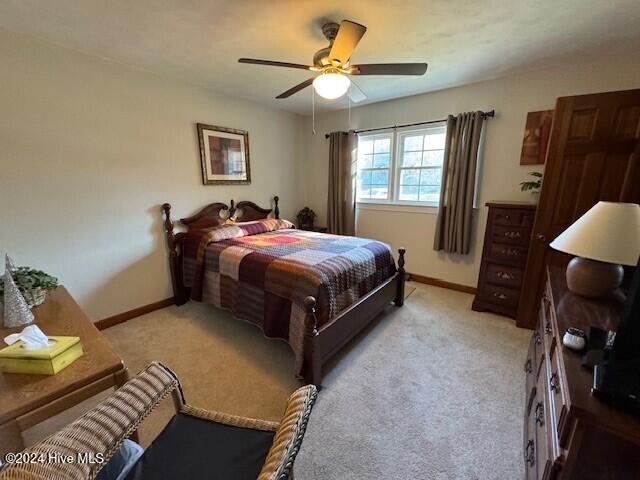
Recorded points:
175,258
312,366
276,210
399,300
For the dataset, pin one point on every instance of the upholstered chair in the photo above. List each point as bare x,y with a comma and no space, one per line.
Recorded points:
196,443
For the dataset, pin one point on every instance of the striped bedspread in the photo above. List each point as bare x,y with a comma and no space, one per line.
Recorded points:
262,271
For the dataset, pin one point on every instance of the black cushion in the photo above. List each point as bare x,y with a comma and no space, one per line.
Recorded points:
190,447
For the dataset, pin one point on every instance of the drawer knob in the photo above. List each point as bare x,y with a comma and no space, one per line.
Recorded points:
547,328
500,296
512,234
554,383
530,453
528,368
541,236
540,413
510,252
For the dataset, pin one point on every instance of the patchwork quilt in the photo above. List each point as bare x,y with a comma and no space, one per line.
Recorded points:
262,271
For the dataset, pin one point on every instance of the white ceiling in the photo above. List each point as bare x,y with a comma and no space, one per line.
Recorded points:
200,41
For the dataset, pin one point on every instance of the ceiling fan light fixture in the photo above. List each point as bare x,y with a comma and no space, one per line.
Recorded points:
331,85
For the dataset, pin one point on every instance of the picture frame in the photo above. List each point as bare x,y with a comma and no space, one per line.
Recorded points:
224,155
536,137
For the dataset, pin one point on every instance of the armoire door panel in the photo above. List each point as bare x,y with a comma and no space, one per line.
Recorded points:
627,123
630,188
618,166
583,125
593,154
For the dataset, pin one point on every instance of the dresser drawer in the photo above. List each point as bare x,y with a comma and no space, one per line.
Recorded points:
545,446
509,216
528,218
546,326
504,275
511,254
556,389
530,371
511,234
499,295
529,446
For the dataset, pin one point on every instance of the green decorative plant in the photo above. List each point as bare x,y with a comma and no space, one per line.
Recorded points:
532,185
33,284
306,216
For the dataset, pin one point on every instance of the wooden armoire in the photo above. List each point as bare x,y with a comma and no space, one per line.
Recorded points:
593,155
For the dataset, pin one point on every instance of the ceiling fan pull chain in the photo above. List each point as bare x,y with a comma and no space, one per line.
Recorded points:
313,111
349,98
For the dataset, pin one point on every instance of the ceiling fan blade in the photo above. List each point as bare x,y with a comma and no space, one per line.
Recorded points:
272,63
297,88
349,34
389,69
355,93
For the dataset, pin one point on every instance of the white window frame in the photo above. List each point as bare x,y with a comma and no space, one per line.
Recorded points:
397,138
390,194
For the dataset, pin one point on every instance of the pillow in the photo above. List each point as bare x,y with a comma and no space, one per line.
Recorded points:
243,229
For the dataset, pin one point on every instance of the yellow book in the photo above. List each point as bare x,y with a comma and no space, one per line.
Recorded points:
46,361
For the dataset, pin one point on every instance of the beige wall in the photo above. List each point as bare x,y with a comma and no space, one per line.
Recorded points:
500,174
89,149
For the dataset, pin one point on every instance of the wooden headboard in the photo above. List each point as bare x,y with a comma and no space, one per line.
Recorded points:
212,215
209,216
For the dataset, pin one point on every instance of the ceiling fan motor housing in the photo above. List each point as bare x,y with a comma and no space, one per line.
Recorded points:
321,57
330,30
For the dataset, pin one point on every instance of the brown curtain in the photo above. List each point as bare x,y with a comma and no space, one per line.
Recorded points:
341,206
453,226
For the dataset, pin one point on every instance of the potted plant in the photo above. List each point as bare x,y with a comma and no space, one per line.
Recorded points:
306,216
33,284
532,186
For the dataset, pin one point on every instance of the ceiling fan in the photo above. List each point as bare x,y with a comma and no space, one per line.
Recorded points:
333,64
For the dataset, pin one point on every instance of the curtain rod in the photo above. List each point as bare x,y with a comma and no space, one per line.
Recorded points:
489,114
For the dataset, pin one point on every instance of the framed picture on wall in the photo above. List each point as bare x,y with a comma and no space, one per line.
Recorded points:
224,153
536,137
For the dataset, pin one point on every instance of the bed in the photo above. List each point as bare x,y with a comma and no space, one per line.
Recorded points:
314,290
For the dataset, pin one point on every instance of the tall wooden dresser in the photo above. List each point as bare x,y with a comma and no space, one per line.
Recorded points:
568,433
504,255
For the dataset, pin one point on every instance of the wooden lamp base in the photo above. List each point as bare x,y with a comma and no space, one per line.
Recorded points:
593,279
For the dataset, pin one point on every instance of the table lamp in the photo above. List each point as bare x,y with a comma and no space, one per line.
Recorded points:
602,240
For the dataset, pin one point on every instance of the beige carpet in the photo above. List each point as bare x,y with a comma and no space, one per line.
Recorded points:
429,391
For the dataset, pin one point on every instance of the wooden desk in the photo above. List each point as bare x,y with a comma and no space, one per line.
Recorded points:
26,400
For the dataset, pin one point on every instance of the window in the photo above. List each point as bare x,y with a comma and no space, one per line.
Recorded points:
401,167
374,160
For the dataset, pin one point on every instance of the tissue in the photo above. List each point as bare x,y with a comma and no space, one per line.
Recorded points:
32,338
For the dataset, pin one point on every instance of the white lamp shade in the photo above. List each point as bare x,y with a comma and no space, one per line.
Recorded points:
331,85
608,232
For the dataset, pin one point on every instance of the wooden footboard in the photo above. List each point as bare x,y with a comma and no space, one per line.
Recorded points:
320,344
